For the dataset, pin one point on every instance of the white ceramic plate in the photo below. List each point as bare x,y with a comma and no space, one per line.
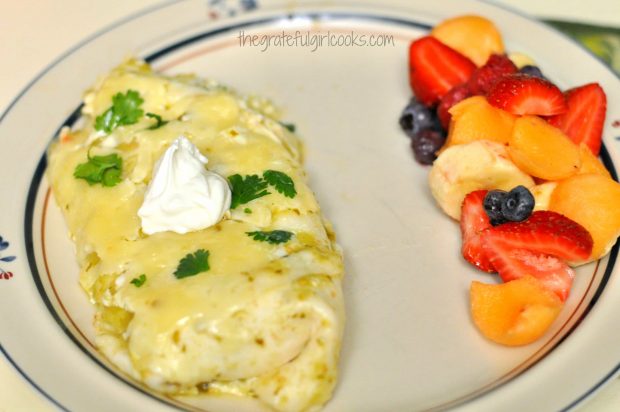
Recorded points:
409,343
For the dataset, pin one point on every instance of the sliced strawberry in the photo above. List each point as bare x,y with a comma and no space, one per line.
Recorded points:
474,221
435,68
584,120
424,94
522,94
455,95
495,68
546,232
513,263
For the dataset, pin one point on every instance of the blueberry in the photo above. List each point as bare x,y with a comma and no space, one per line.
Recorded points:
493,206
417,117
425,144
518,204
533,71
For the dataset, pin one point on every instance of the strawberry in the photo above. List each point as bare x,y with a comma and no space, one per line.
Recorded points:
584,120
455,95
435,68
513,263
522,94
496,67
548,233
474,222
538,247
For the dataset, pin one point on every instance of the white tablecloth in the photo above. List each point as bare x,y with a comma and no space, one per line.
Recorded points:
35,32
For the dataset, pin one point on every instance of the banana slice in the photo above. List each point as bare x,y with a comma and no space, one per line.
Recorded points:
464,168
542,195
521,59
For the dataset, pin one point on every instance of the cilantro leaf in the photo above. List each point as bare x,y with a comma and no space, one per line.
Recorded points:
246,189
111,177
193,264
106,121
281,182
247,211
139,281
158,119
274,237
125,110
101,169
290,126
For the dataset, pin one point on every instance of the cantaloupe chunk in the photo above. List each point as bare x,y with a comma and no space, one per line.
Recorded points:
591,163
475,119
542,150
473,36
593,201
513,313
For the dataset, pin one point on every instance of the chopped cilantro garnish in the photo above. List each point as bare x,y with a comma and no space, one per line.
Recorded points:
246,189
125,110
247,211
139,281
250,187
290,126
273,237
193,264
281,182
100,169
158,119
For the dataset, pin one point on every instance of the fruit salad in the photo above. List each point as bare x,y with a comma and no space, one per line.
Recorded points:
515,161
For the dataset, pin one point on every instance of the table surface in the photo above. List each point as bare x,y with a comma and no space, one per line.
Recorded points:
59,28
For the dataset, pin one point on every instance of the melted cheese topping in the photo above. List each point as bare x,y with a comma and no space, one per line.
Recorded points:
266,320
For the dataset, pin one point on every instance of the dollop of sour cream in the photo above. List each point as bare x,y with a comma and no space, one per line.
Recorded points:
183,195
